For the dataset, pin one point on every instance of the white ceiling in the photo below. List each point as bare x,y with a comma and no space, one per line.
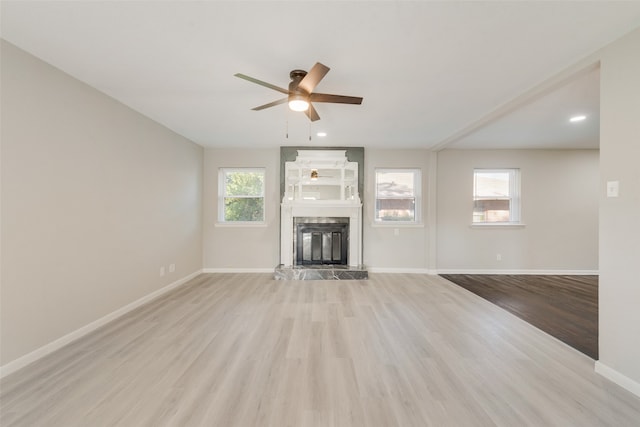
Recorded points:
543,121
427,70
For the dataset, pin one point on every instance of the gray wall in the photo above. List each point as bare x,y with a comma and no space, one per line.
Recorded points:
242,247
560,209
559,192
95,199
396,247
256,247
620,217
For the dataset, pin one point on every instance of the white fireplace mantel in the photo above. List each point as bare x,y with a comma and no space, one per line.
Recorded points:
315,208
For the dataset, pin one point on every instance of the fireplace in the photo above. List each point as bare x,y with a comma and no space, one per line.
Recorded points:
321,211
321,241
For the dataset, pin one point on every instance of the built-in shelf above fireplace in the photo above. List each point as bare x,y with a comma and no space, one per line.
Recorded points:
321,184
321,175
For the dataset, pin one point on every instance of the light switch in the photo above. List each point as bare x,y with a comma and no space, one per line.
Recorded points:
613,188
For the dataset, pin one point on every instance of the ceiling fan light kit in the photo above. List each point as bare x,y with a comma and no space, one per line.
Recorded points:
298,103
300,94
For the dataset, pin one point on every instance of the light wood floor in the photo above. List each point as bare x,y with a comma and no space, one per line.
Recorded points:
245,350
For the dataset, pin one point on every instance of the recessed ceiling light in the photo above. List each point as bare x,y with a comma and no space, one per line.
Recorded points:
577,119
321,134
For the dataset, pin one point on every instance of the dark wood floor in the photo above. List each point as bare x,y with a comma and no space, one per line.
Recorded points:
565,307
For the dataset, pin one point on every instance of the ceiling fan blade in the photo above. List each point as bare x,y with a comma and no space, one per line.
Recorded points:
312,113
261,83
313,77
271,104
338,99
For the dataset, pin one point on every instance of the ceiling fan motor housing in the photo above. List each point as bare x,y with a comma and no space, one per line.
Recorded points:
296,77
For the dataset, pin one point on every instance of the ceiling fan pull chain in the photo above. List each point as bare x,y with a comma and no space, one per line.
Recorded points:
286,131
309,131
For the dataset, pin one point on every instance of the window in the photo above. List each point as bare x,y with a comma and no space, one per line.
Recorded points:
496,196
397,195
241,195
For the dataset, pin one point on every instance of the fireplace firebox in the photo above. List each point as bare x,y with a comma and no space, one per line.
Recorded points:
321,241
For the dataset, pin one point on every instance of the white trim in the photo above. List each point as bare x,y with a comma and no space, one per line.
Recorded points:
399,270
402,270
532,272
47,349
239,270
494,225
399,224
240,224
618,378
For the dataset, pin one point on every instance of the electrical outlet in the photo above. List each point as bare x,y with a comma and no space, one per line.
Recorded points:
161,271
498,257
172,268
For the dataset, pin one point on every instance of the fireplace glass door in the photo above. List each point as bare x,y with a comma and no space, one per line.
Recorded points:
322,243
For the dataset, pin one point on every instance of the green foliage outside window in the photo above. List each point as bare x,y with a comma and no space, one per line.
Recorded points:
244,195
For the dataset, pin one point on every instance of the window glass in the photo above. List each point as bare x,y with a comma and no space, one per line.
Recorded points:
241,195
492,184
496,196
397,193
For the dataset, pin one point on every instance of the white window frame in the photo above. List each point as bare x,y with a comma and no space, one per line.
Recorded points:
222,188
417,188
515,214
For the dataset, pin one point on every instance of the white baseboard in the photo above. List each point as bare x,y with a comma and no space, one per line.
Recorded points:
422,271
46,349
616,377
272,269
524,272
239,270
400,270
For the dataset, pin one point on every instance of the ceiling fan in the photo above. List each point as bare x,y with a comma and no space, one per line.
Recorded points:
300,94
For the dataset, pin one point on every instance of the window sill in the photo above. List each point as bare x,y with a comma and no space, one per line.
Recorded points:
240,224
397,225
499,225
